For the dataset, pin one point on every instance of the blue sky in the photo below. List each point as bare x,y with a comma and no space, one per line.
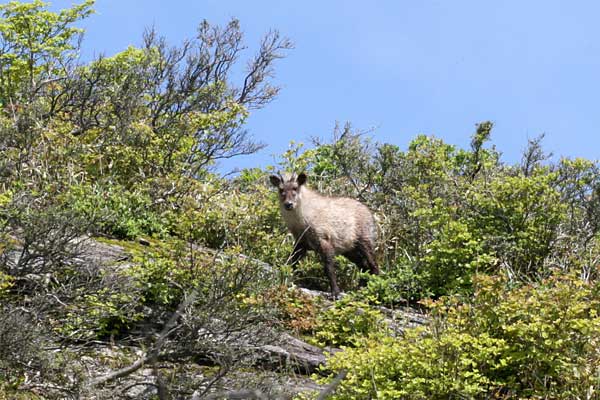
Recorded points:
402,67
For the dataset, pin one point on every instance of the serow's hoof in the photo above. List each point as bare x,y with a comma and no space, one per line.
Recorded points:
336,295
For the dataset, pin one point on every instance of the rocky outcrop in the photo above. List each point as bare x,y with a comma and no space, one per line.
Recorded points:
291,353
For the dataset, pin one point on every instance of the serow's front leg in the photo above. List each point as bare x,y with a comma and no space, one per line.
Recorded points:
328,258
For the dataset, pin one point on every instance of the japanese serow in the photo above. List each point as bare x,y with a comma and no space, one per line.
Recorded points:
327,225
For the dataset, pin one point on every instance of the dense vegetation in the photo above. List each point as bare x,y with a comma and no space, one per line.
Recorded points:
121,151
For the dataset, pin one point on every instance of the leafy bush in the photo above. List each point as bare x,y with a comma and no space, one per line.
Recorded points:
101,314
348,323
399,286
416,367
165,271
241,215
121,213
296,310
6,281
518,219
538,340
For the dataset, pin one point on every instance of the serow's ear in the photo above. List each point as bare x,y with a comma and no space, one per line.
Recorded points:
301,179
275,180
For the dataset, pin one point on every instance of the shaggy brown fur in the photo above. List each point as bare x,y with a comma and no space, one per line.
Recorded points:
328,225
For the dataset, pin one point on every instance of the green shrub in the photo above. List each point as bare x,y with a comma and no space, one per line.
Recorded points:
109,315
6,281
107,309
124,214
164,271
399,286
517,219
539,341
242,214
348,323
552,331
450,365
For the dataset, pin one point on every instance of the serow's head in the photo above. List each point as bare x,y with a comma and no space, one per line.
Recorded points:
289,190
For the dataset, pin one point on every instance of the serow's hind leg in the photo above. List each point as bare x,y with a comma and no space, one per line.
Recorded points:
363,257
367,254
355,256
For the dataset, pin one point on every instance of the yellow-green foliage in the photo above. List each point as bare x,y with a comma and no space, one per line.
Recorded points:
39,40
117,211
516,218
139,150
538,341
9,393
6,281
164,271
5,243
348,323
242,215
156,278
104,314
